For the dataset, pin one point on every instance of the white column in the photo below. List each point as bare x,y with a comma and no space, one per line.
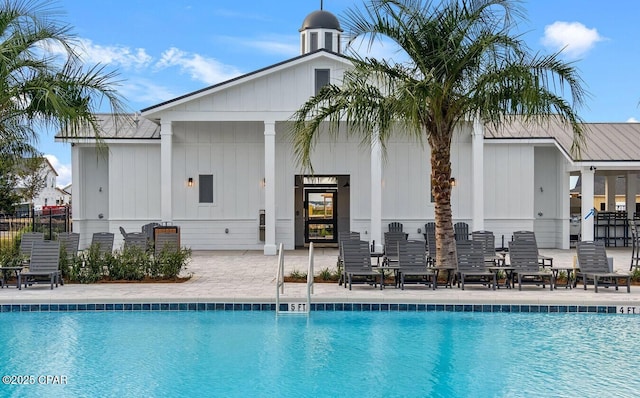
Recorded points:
565,206
270,187
77,196
610,193
166,171
631,192
588,217
477,176
376,194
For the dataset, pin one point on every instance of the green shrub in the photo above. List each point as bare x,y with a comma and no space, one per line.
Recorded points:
130,264
10,256
91,266
170,262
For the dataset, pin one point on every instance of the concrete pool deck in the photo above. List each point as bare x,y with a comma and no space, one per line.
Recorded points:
250,277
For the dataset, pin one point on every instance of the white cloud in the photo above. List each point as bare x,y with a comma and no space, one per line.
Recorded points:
575,38
114,55
632,120
63,170
120,56
207,70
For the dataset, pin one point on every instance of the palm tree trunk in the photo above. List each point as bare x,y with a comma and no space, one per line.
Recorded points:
441,190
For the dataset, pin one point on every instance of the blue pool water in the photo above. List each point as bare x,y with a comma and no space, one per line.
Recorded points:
363,354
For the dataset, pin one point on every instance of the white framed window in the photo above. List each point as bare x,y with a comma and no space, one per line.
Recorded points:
322,77
205,188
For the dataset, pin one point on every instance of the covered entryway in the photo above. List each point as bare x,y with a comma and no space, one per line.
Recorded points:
322,209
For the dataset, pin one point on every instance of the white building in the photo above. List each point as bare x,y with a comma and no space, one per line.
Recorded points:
213,161
50,194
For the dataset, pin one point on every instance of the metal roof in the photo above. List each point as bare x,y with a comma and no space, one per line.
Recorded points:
603,141
321,19
130,126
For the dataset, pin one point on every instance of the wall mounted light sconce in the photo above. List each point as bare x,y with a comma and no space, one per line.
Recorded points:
541,189
263,183
190,182
452,181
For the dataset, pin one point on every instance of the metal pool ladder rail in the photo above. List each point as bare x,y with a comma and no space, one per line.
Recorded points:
294,307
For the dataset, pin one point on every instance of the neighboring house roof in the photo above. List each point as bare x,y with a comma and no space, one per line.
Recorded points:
48,163
603,141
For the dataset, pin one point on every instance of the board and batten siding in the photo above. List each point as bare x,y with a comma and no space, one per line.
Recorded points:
549,186
283,90
134,178
94,180
508,189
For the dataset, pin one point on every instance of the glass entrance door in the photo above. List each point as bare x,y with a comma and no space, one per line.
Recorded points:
320,217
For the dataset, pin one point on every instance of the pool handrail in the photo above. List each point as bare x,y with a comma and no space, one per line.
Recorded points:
279,277
280,280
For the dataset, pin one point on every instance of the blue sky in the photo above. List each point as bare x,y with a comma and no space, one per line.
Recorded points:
164,49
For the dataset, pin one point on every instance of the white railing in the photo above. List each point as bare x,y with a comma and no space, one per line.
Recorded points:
279,277
294,307
310,277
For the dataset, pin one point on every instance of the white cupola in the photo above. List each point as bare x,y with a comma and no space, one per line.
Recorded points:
320,29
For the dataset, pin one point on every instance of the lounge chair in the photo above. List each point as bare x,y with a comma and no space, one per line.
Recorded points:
472,267
43,268
412,264
545,261
69,242
461,231
488,241
524,261
635,245
430,239
357,264
104,241
167,241
391,246
594,267
26,243
342,236
137,240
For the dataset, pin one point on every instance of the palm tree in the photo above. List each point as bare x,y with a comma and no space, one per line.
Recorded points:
43,82
464,63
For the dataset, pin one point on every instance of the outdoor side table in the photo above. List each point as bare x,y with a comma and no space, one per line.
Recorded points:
450,273
508,271
17,272
556,270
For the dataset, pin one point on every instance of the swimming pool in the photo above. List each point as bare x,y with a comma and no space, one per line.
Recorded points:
372,354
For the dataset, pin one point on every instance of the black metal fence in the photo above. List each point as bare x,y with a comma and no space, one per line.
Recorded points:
49,220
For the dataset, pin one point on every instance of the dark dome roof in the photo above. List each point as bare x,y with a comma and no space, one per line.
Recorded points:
321,19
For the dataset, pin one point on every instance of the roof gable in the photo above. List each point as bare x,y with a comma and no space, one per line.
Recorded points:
318,56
